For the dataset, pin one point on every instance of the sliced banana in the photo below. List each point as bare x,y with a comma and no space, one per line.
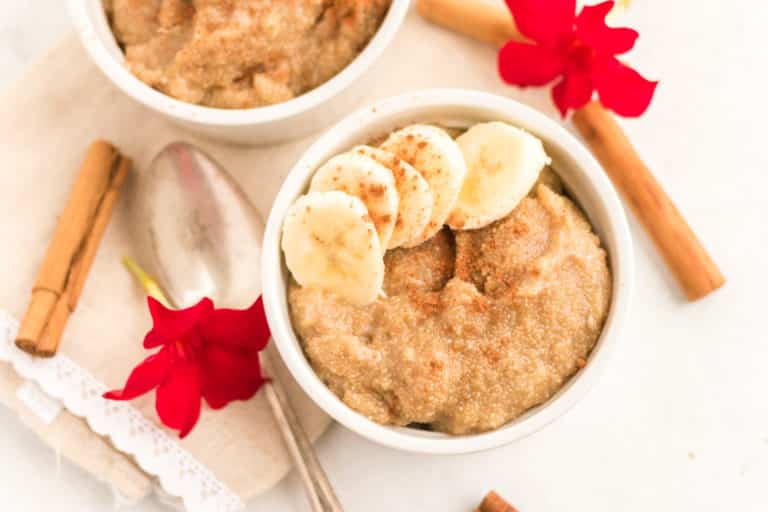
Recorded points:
437,157
504,162
365,178
331,243
415,208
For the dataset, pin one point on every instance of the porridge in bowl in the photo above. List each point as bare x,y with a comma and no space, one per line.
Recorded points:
241,53
459,318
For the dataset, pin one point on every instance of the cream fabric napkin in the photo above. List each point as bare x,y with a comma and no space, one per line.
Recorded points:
72,437
47,119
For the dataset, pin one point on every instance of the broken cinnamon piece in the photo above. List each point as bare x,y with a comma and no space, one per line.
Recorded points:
494,503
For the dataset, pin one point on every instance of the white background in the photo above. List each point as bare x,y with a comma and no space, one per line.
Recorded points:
680,421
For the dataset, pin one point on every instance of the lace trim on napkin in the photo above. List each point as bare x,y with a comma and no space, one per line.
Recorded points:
155,451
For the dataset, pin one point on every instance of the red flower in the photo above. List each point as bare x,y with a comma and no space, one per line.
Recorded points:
206,353
580,49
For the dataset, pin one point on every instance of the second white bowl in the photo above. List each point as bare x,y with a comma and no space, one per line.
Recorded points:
585,182
301,115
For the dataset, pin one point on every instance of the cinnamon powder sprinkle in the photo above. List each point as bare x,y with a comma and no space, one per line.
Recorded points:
474,328
241,54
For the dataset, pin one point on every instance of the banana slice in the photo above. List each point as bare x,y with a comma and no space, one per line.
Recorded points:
331,243
416,199
504,162
363,177
438,159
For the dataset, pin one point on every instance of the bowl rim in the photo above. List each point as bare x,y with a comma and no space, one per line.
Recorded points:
80,12
274,291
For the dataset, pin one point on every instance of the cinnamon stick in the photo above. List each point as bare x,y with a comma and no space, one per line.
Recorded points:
72,248
494,503
686,257
83,264
489,22
694,269
77,217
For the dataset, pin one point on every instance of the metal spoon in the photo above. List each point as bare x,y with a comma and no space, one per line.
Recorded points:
203,237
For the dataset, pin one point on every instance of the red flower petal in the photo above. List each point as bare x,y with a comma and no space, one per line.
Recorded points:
573,91
622,89
230,375
543,21
149,374
592,30
527,64
169,325
178,398
235,328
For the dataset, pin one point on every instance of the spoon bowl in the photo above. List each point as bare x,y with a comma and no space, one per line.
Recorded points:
202,235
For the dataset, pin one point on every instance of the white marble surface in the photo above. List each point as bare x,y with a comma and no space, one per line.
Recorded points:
680,421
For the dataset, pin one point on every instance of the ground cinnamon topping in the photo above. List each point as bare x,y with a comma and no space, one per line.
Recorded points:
248,53
475,327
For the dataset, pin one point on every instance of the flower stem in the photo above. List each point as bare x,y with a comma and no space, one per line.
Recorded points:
146,281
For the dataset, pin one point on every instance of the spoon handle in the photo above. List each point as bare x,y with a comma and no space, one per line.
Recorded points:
316,484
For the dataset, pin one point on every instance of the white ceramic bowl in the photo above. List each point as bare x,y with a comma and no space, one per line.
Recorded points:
304,114
585,181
